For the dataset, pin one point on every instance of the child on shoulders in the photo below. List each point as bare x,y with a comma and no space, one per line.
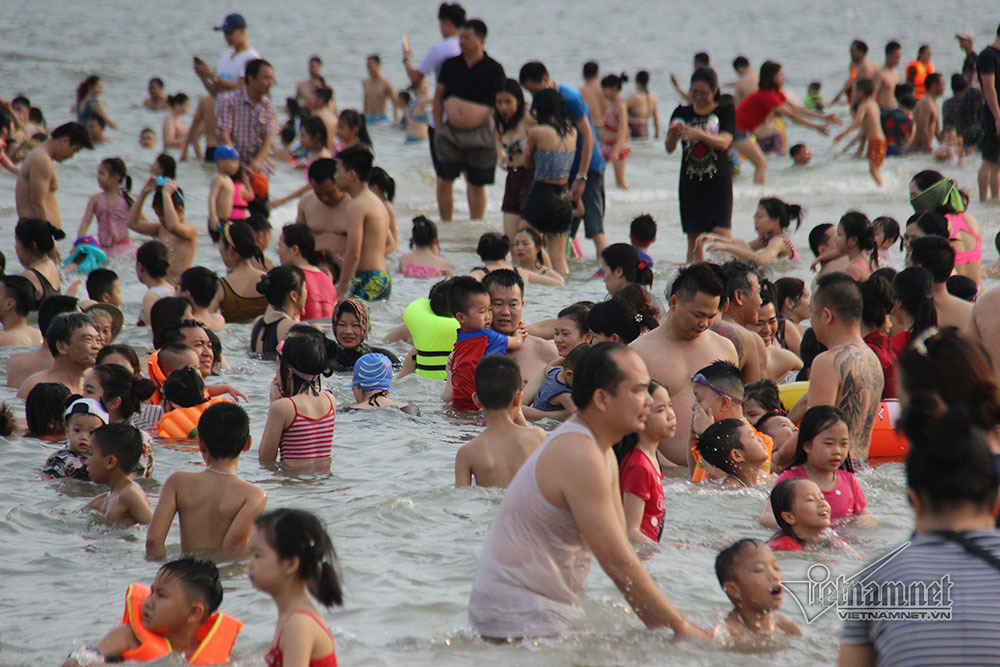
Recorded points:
494,456
114,453
553,399
83,417
216,507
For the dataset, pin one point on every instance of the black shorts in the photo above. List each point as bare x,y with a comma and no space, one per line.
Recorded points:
991,143
516,189
548,208
210,154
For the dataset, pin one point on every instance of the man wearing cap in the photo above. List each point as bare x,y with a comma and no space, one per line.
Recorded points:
247,118
37,182
229,74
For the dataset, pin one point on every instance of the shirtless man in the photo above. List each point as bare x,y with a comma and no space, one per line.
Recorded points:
984,325
17,299
180,236
37,182
592,95
324,209
362,272
739,317
887,78
305,90
563,505
682,345
860,69
936,254
74,343
848,375
747,81
927,116
378,93
22,364
325,108
507,304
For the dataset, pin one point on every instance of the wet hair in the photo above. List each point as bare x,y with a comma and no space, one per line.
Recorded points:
279,282
164,313
598,369
699,277
809,349
840,294
725,562
784,213
876,301
355,120
508,278
624,256
707,76
224,427
200,579
614,81
118,382
22,291
380,178
888,226
461,290
928,177
963,287
913,288
61,328
43,409
52,306
725,376
856,226
357,159
512,88
75,132
303,355
184,388
765,393
740,61
948,477
498,379
817,419
240,237
322,170
616,316
717,442
642,78
788,289
817,236
126,351
201,283
294,533
493,246
548,108
643,228
577,312
38,236
639,297
782,499
315,128
477,26
768,71
121,440
424,232
935,254
795,150
167,164
176,198
438,296
590,69
534,72
737,273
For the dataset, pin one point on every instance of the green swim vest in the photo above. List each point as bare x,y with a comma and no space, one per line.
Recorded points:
433,336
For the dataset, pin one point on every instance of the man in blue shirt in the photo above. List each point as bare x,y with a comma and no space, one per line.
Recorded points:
587,171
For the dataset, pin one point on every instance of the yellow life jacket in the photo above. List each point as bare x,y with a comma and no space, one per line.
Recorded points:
216,636
182,423
433,337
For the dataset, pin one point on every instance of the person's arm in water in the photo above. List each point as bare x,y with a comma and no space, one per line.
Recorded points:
136,504
163,516
765,255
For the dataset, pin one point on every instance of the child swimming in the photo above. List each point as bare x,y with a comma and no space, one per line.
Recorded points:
803,517
83,417
771,222
751,578
114,453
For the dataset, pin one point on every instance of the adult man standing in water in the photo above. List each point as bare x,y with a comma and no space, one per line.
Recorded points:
739,314
248,119
324,210
684,344
988,68
507,303
861,68
563,505
362,273
463,110
37,182
451,17
887,78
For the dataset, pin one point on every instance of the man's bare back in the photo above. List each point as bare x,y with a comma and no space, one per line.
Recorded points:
495,455
925,123
952,311
744,85
886,80
859,391
35,192
594,99
328,223
871,120
376,228
22,365
984,325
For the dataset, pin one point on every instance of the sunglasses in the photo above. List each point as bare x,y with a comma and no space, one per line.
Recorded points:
698,378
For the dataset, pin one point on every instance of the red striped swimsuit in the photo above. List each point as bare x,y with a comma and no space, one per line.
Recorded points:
308,438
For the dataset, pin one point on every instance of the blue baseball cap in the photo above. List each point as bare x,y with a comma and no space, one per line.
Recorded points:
226,153
232,22
372,371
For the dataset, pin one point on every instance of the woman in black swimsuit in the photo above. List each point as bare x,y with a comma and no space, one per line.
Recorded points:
34,239
285,290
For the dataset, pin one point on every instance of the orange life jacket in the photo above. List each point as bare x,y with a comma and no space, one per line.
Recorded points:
182,423
216,635
157,376
699,474
920,72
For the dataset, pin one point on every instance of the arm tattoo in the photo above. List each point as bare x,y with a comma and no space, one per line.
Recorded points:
861,383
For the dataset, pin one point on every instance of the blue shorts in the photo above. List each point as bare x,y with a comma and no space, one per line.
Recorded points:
376,118
593,207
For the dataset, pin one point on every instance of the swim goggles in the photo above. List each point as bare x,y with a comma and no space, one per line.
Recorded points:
698,378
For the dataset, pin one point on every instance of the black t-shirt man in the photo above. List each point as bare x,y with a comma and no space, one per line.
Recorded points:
477,84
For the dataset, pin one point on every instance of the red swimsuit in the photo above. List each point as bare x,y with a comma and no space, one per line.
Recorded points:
274,658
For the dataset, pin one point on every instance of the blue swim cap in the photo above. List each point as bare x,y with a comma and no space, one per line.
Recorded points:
226,153
372,371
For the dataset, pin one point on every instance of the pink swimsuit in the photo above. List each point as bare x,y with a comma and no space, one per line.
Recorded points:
239,211
957,223
112,222
788,244
412,270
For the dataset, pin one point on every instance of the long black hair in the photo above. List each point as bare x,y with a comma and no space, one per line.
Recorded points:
294,533
548,108
512,88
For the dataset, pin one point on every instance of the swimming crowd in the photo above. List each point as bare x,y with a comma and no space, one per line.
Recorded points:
744,381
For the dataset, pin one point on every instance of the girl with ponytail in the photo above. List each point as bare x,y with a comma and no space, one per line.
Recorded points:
913,309
856,239
34,240
297,247
771,222
291,559
110,206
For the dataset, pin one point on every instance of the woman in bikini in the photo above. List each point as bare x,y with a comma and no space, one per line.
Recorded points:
642,106
510,124
614,139
238,249
34,240
424,259
931,191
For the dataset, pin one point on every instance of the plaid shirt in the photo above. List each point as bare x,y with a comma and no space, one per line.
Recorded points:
248,125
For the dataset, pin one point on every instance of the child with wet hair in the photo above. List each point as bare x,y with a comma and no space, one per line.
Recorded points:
114,453
553,399
751,578
761,398
43,410
732,446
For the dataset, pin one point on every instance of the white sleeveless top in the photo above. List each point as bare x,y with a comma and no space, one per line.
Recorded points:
532,574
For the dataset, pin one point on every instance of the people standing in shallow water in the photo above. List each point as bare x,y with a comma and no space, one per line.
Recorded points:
351,327
297,247
510,124
238,251
614,137
771,222
424,259
37,182
363,273
285,290
642,107
371,382
34,241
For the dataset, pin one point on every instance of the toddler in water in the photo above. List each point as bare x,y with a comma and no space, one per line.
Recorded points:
225,198
732,446
750,576
495,455
114,453
291,558
176,615
553,399
639,473
110,207
821,455
803,517
216,507
371,384
424,259
83,417
771,222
